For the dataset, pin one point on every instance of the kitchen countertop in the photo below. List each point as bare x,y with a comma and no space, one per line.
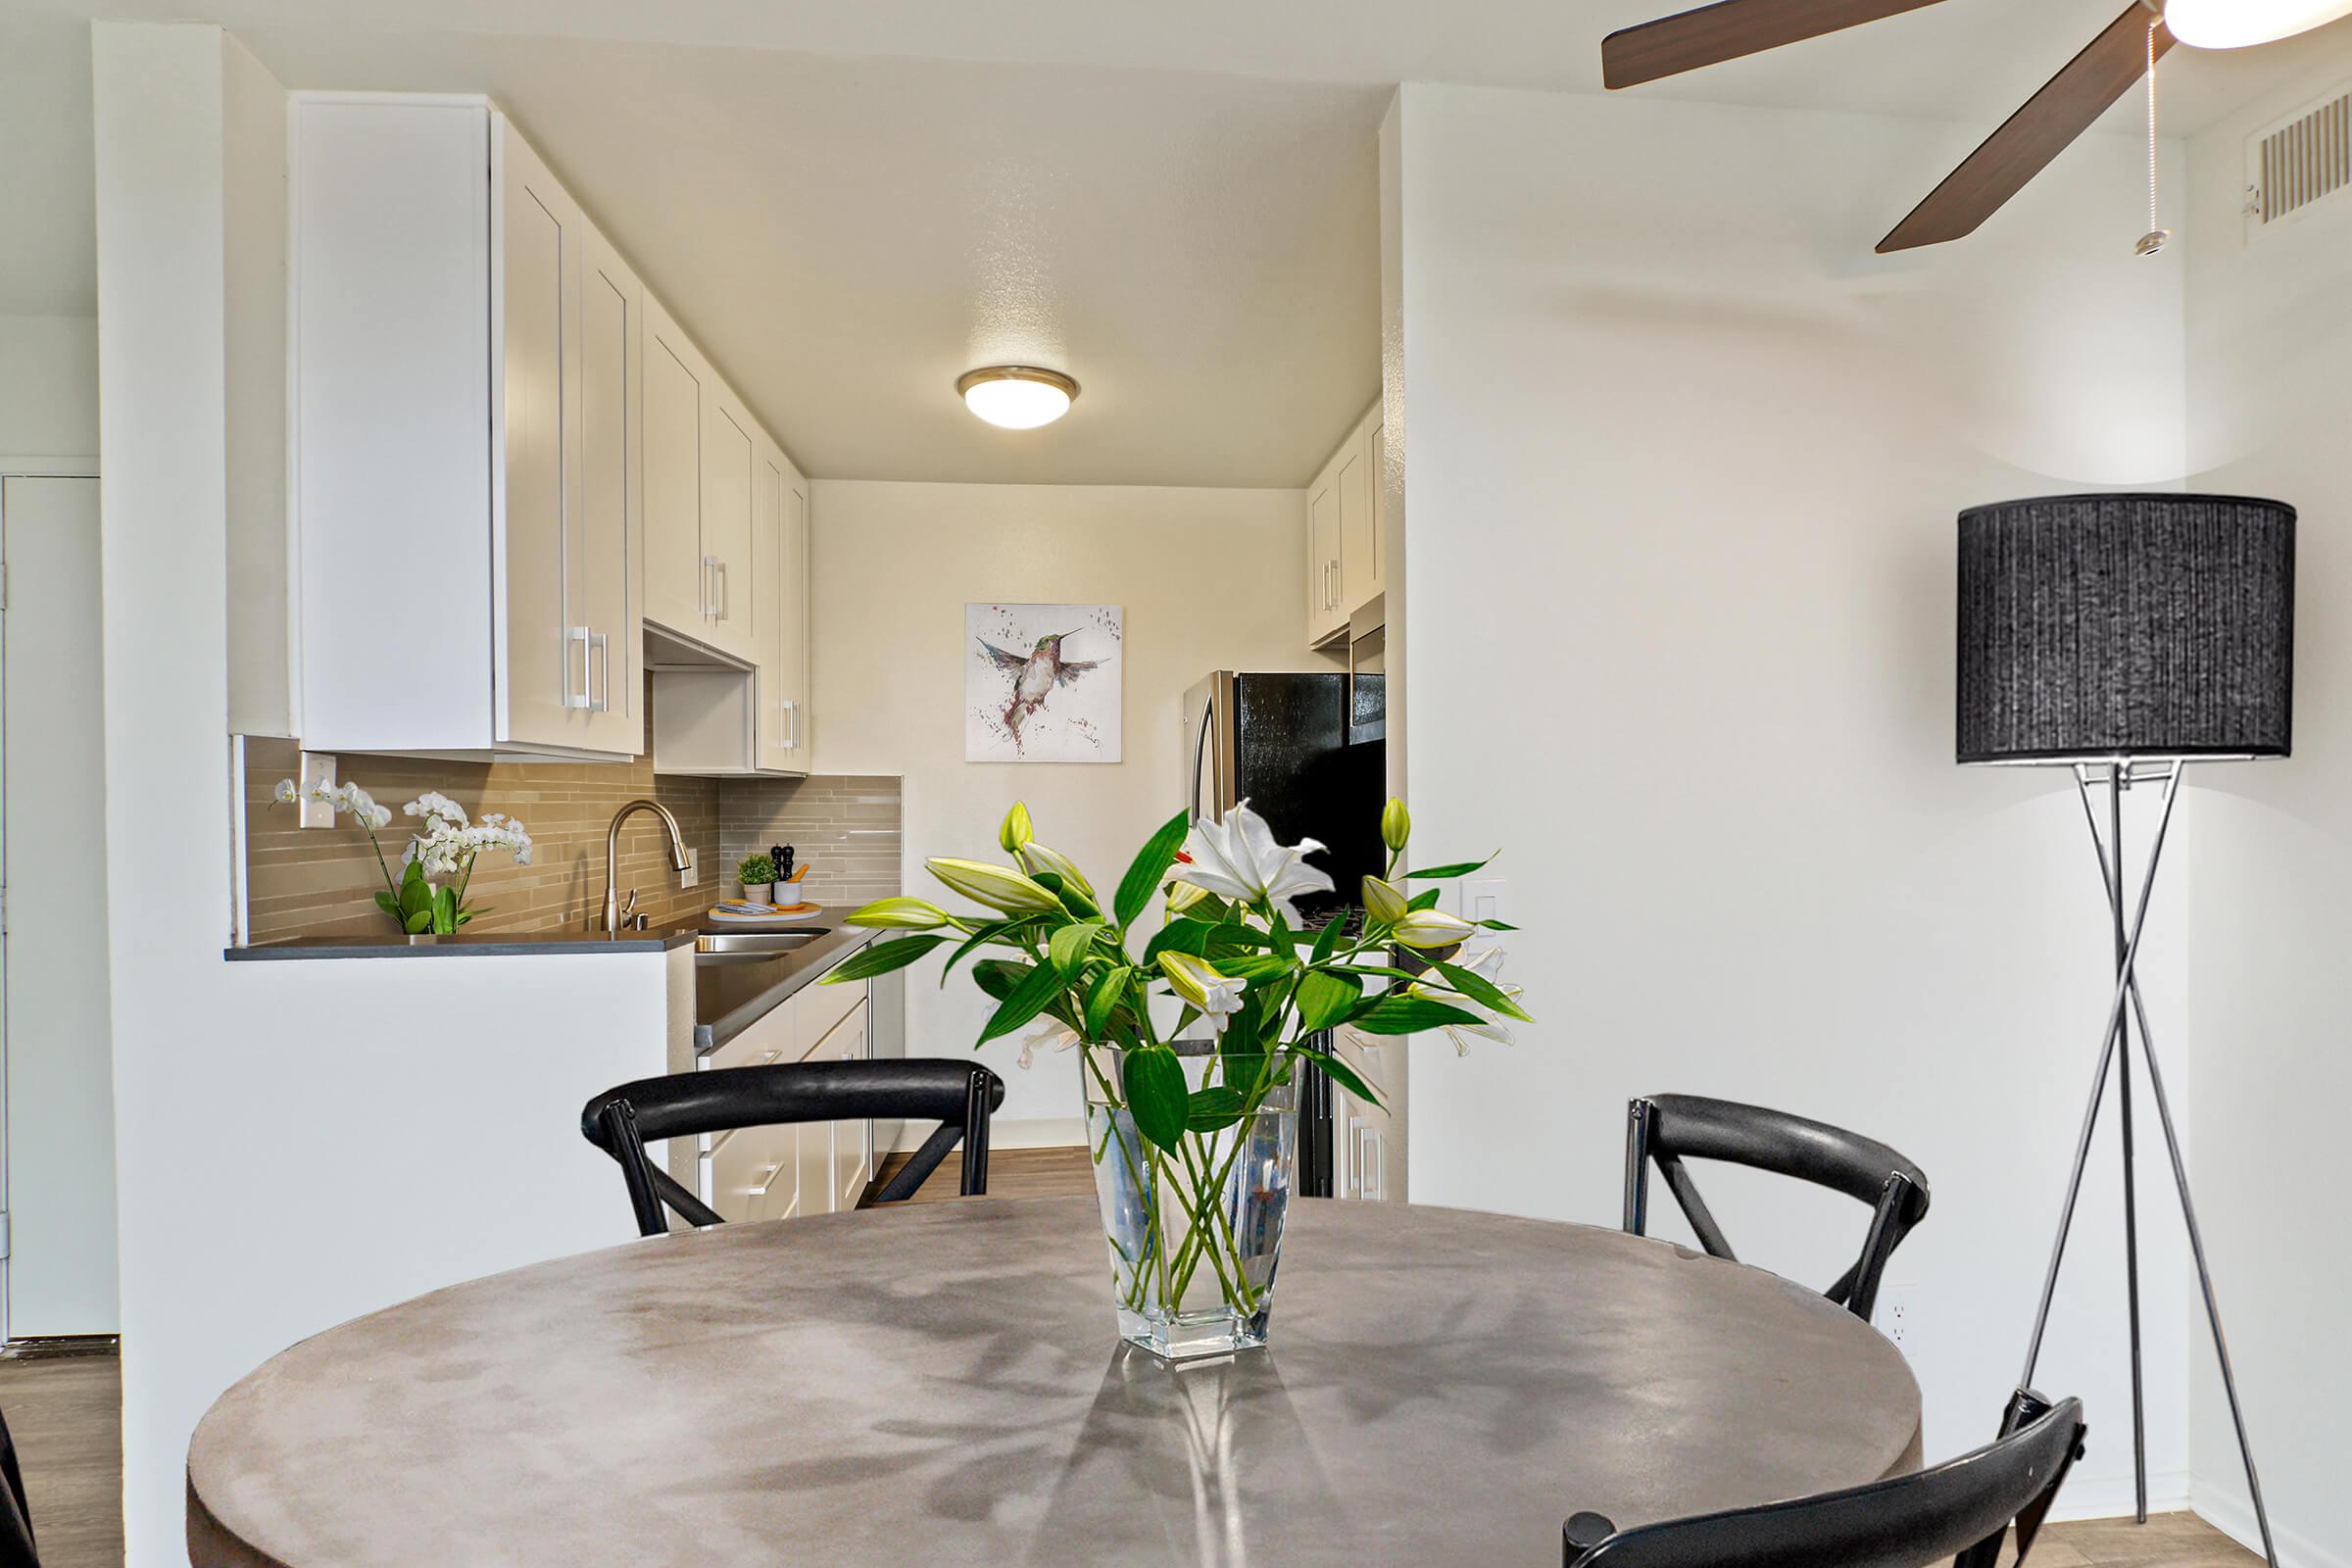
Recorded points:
499,945
730,997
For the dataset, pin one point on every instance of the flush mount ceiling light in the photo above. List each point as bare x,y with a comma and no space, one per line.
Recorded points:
1021,397
2237,23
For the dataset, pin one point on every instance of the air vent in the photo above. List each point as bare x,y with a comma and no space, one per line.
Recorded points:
2302,162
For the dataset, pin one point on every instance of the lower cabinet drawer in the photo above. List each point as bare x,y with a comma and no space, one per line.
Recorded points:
755,1174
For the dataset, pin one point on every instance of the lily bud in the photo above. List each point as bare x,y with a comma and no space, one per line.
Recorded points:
999,887
1016,831
901,914
1039,859
1395,824
1433,928
1385,904
1182,896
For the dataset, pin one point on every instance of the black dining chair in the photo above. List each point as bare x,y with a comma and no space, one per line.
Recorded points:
1668,1129
961,1096
1961,1510
16,1514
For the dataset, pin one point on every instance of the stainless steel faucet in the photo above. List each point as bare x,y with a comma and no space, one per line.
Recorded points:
677,856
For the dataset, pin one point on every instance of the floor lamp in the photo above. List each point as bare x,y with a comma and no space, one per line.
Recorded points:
2124,637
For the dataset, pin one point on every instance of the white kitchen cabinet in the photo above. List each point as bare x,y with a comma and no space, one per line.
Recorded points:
852,1141
438,279
1344,553
603,573
813,1168
676,586
780,562
701,449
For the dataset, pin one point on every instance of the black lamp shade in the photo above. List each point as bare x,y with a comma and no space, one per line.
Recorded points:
2127,627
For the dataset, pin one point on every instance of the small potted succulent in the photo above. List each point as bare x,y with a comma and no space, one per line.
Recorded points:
758,874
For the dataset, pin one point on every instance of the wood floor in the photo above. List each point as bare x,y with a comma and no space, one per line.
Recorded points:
66,1417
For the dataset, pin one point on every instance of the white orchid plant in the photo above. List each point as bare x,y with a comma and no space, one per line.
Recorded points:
1232,954
445,846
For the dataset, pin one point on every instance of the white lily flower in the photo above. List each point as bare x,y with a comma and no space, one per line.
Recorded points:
1053,1036
1487,966
1238,858
1433,928
1195,981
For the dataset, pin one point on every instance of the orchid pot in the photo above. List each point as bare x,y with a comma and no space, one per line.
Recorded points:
1190,1030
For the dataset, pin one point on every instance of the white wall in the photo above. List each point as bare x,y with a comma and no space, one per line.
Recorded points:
2270,369
297,1141
48,386
1210,579
1684,460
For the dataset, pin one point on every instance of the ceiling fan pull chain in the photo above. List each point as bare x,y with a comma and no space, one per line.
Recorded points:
2157,236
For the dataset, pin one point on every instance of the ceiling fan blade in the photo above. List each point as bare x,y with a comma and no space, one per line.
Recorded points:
1729,29
2048,123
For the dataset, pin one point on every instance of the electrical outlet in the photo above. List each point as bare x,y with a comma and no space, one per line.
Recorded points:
692,875
1898,1317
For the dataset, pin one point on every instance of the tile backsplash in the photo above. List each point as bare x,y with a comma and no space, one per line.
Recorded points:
322,881
845,829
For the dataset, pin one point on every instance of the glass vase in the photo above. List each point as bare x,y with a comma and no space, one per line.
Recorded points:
1194,1233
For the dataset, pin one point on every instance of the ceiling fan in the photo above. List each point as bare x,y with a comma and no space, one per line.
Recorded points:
2065,108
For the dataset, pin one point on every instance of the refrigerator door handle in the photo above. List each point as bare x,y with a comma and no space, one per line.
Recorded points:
1209,716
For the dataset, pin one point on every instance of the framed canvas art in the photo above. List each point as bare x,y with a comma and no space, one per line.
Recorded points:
1041,683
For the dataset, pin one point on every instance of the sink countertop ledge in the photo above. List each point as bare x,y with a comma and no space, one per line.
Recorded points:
730,997
503,945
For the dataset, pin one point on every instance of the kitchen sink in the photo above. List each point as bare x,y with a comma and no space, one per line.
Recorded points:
755,945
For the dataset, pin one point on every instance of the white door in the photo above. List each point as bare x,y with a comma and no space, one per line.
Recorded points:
612,489
676,580
729,482
58,1147
545,643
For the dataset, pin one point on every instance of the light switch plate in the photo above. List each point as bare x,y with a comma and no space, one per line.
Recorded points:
1485,898
318,768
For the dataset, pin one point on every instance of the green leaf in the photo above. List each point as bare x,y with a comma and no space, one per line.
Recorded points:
1002,977
1326,997
1341,1073
1153,1080
1497,925
1209,1110
1041,989
1231,936
445,911
1258,966
1242,1068
881,958
1481,990
1425,900
1178,935
418,923
1403,1016
384,902
1101,1002
1069,945
1458,868
1149,869
1327,939
988,931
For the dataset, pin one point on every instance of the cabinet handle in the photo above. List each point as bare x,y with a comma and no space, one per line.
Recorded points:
794,709
710,587
720,609
601,644
580,635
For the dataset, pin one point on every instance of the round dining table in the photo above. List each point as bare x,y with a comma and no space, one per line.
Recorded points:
942,1384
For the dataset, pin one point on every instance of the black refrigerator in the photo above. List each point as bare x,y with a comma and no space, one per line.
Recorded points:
1309,753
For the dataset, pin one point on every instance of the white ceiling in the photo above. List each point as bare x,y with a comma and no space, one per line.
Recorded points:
849,203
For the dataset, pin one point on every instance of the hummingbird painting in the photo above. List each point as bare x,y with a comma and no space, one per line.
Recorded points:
1036,675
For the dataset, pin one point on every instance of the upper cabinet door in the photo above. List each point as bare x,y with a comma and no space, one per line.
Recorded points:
676,583
1324,616
730,450
1359,515
780,555
605,575
541,645
796,659
1376,465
